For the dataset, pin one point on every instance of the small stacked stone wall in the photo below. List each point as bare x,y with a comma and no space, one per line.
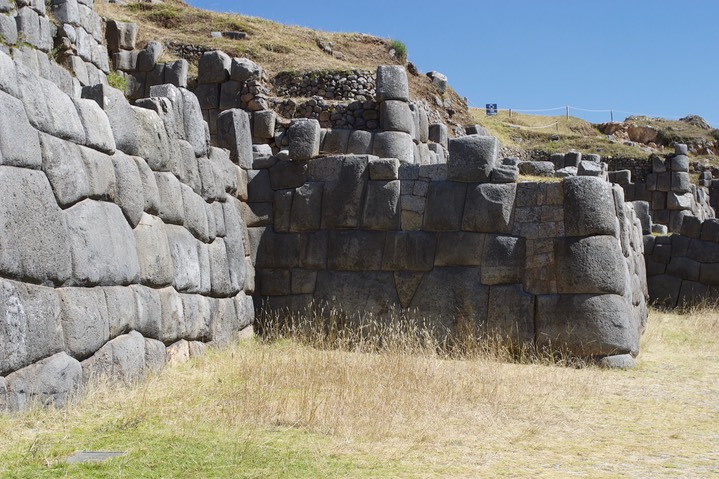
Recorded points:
555,264
357,115
683,269
669,192
123,242
352,85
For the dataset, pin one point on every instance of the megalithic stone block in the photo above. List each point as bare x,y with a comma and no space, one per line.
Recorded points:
214,67
304,139
472,158
235,134
52,381
586,325
120,36
392,83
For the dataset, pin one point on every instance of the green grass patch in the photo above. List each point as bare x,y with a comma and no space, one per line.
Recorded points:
400,50
116,80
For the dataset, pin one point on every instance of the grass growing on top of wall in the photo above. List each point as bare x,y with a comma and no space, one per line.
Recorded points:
291,408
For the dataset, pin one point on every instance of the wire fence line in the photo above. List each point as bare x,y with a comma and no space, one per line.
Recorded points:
567,109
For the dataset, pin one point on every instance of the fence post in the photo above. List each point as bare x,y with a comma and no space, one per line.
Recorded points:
510,113
567,115
611,115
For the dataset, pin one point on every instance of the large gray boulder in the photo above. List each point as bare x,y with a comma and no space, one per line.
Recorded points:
100,172
8,75
355,250
173,319
510,314
149,186
593,265
48,108
98,133
489,208
234,133
360,293
149,311
38,248
306,212
409,251
121,360
19,143
459,296
214,67
341,203
54,381
102,244
172,208
472,158
589,205
120,35
438,134
121,309
65,169
210,177
392,83
503,260
586,325
381,211
386,169
445,202
120,114
196,128
243,69
394,144
304,137
263,124
360,142
129,191
220,270
336,141
153,144
459,249
30,327
153,251
174,116
185,259
195,216
537,168
395,115
85,320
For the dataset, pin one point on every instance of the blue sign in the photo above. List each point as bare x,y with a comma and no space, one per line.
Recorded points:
491,109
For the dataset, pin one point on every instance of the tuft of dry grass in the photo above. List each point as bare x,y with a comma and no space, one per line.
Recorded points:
324,405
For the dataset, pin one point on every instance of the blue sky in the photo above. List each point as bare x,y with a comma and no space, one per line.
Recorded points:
648,57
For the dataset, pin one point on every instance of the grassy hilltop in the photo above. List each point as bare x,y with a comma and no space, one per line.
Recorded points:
282,48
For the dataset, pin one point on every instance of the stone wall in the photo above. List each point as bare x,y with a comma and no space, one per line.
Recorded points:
352,85
123,241
141,68
124,232
669,192
683,269
555,264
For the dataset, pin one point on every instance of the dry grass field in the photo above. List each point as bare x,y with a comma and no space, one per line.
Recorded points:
285,408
